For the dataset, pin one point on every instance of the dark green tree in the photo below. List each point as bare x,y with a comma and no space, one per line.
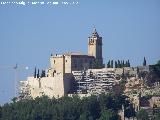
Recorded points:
158,63
119,64
126,64
0,112
157,116
35,73
144,62
43,74
109,115
38,74
142,115
116,64
69,108
123,63
129,65
96,65
111,63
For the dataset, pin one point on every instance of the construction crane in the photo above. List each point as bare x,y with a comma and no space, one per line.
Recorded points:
16,68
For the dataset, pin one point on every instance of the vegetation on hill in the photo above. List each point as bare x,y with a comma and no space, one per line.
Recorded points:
102,107
153,75
142,115
117,64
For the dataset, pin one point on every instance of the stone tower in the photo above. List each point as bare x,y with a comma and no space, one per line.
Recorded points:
95,47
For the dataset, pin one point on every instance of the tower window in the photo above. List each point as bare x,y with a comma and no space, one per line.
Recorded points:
66,60
54,61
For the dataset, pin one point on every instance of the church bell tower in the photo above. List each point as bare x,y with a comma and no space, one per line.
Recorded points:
95,47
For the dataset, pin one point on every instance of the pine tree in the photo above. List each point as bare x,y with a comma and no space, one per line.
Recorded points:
144,62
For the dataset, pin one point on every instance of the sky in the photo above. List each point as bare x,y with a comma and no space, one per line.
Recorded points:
29,34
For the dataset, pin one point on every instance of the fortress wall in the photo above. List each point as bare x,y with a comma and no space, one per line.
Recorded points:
50,86
68,80
34,82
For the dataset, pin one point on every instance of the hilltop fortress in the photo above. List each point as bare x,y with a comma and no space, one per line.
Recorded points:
59,78
74,73
84,75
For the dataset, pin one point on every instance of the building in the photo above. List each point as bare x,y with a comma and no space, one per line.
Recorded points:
95,47
58,80
69,62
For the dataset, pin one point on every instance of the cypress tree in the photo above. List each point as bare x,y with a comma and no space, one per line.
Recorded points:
38,74
128,64
35,72
123,65
119,64
116,64
144,62
42,74
111,63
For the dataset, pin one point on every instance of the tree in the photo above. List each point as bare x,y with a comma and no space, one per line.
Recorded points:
111,63
101,107
158,63
142,115
14,99
157,116
96,64
0,112
38,74
35,73
43,74
108,115
128,65
119,64
116,65
144,62
123,63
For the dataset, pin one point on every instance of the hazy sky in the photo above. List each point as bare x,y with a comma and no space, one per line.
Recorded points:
29,34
